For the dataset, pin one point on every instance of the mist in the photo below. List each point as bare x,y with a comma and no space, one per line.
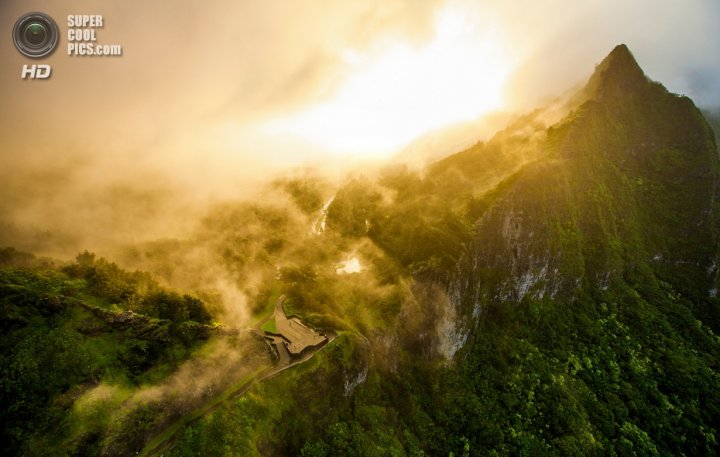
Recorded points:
124,151
209,152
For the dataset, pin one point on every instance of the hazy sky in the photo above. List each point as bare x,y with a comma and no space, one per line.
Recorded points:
249,77
216,92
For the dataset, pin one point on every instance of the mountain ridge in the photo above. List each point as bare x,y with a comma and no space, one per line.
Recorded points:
589,202
552,291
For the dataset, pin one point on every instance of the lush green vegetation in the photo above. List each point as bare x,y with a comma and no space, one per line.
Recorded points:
67,329
578,261
269,326
628,372
614,351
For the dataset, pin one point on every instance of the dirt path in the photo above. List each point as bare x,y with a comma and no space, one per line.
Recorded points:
308,341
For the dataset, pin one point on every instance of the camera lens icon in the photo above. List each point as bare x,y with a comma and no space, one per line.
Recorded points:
35,35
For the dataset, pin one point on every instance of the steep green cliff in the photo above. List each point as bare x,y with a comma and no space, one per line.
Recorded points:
551,291
625,182
581,312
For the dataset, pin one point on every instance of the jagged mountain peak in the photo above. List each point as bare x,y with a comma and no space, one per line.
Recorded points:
618,74
621,55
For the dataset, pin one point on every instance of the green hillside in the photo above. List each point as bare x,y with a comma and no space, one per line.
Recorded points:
552,291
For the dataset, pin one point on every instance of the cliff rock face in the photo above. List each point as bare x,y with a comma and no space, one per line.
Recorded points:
624,185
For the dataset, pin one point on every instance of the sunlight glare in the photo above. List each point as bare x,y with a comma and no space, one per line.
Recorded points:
405,91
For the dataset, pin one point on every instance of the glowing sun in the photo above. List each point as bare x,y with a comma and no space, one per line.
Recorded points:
397,94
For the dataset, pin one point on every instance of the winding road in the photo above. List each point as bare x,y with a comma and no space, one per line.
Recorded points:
294,342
